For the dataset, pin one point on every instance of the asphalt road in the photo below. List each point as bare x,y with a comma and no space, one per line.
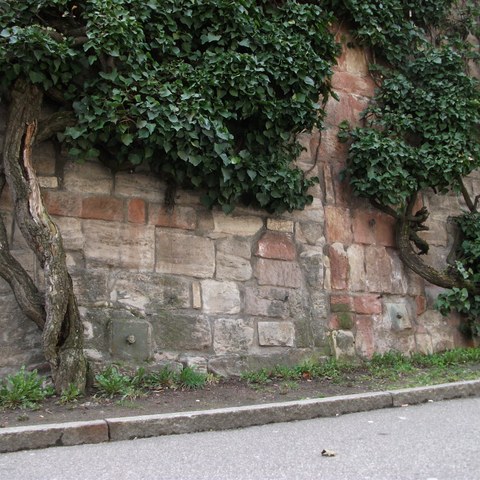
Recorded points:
432,441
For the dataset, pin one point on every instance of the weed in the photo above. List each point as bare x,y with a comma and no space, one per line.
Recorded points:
260,377
287,386
23,390
286,373
70,394
190,379
112,382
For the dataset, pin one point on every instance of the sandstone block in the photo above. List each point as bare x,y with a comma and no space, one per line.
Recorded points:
379,272
364,336
196,295
71,230
241,225
232,267
103,208
148,187
88,177
266,302
131,340
397,316
182,332
238,246
232,336
276,334
48,182
367,304
277,246
64,204
278,225
338,228
338,267
370,228
182,254
149,292
119,245
136,210
220,297
278,273
343,344
341,303
179,217
353,82
310,232
312,261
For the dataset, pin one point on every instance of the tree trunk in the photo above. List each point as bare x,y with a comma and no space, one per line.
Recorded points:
62,331
413,261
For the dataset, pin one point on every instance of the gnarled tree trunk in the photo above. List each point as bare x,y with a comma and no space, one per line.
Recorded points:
62,327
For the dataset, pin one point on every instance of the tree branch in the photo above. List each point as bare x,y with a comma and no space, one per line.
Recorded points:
55,123
471,204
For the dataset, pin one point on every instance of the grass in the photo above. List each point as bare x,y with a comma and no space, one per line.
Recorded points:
26,390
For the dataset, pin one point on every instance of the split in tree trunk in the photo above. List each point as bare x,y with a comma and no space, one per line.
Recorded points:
62,330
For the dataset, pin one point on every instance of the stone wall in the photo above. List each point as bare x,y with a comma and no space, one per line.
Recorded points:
235,292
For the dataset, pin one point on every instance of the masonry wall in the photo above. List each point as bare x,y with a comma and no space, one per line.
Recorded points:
236,292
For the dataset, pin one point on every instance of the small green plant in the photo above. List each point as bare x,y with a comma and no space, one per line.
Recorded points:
111,382
23,390
259,377
190,379
70,395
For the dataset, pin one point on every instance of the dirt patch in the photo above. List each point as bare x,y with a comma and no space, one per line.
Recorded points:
226,393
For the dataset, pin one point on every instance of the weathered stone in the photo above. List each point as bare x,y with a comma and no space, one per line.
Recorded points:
373,228
241,225
277,246
364,337
119,245
347,82
310,232
233,267
441,334
220,297
338,227
341,303
343,344
148,187
103,208
276,334
278,225
71,230
352,58
232,336
179,217
182,332
182,254
312,261
397,316
338,267
367,304
131,340
238,246
423,342
196,295
149,292
278,273
88,177
227,365
48,182
136,210
90,286
199,364
266,302
378,269
63,204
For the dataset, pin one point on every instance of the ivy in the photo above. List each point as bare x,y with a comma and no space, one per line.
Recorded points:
211,94
421,130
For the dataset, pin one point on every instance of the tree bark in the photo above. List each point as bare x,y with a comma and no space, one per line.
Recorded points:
62,331
413,261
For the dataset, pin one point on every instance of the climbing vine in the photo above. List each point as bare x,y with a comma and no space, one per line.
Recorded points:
211,94
421,130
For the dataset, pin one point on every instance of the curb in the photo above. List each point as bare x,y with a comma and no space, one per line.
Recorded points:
126,428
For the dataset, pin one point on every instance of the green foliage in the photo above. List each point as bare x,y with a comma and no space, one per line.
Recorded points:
111,381
210,93
468,267
421,130
23,390
70,395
